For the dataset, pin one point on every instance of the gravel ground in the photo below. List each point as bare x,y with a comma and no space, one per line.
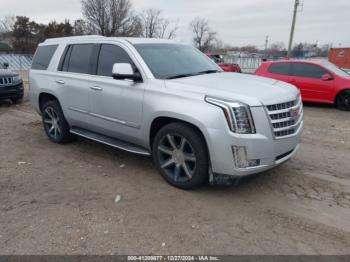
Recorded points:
62,199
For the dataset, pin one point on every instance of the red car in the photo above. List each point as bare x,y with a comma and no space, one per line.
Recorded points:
318,81
224,66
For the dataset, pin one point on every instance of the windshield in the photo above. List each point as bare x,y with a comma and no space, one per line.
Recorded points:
169,61
338,71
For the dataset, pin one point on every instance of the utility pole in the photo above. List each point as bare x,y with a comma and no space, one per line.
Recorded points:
266,45
296,4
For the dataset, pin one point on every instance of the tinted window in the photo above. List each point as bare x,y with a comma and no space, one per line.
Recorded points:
79,61
63,65
280,68
43,57
308,70
109,55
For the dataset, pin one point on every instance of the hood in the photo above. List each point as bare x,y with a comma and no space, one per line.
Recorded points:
249,89
6,72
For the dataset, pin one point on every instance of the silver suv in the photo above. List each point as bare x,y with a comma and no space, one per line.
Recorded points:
168,100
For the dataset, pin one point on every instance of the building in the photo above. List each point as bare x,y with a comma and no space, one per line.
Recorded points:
340,57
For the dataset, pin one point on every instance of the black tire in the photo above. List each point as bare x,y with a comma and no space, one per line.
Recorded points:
189,169
343,100
16,100
60,134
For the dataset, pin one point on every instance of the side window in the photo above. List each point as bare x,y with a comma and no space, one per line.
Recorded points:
109,55
43,56
77,58
280,68
308,70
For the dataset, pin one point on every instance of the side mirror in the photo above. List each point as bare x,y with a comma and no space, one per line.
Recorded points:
327,77
122,71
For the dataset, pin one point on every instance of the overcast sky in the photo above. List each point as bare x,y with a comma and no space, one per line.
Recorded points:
238,22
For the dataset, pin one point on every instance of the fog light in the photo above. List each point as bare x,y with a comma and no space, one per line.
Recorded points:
240,158
254,162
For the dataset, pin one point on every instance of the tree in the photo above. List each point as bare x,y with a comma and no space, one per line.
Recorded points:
26,34
203,37
54,29
80,27
111,17
249,49
7,24
277,47
155,26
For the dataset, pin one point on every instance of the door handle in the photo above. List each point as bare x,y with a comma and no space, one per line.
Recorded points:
96,88
60,82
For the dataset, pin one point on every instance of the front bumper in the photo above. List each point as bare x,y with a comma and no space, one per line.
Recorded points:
12,92
262,146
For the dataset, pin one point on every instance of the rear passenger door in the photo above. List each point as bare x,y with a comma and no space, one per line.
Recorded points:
115,105
73,83
308,78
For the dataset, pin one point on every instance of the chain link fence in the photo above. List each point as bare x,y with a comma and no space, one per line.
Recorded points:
16,61
20,63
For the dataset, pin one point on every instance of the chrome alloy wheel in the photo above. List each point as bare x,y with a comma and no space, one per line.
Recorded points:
52,123
177,158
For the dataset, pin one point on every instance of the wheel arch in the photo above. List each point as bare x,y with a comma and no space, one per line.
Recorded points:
44,97
161,121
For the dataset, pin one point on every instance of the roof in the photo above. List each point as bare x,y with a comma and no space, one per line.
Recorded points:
312,61
132,40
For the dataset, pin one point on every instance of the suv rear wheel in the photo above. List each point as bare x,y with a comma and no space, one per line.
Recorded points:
343,100
55,125
180,155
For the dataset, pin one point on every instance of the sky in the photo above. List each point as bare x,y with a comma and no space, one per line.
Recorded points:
237,22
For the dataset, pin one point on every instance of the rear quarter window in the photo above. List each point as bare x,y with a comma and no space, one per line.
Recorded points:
43,56
280,68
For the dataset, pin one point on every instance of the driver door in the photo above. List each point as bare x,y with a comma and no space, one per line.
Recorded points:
308,78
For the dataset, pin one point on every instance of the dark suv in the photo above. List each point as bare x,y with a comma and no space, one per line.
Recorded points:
11,85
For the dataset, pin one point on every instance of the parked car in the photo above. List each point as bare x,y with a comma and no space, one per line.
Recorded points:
218,59
197,121
318,81
11,85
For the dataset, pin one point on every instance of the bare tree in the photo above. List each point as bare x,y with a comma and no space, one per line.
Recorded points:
7,24
277,46
80,27
111,17
203,37
155,26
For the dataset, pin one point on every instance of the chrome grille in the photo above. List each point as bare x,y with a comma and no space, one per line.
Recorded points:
4,81
286,118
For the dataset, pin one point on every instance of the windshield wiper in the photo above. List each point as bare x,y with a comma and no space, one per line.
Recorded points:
194,74
208,72
180,76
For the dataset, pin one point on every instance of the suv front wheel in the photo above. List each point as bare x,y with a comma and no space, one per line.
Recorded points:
180,155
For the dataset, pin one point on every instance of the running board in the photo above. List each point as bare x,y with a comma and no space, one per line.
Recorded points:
109,141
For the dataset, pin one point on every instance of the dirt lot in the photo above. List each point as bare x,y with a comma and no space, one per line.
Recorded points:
61,199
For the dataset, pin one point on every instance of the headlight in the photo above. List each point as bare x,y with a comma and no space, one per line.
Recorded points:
238,115
16,78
